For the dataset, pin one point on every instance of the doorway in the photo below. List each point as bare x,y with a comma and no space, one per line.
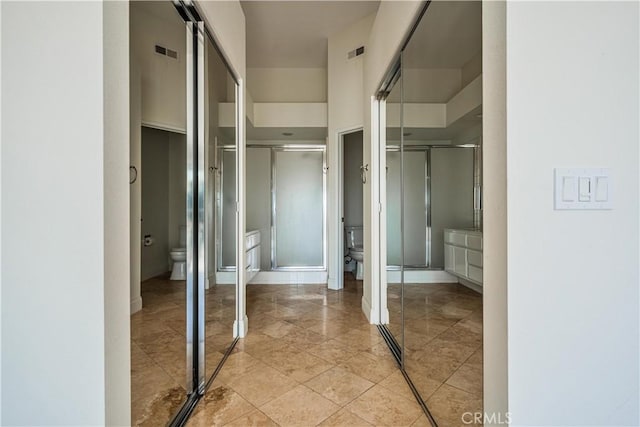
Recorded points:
352,204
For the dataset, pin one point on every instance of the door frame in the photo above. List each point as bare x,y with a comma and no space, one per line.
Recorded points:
338,220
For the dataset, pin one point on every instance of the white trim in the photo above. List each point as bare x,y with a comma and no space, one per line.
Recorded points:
421,276
470,285
290,278
225,278
373,233
240,327
336,213
369,313
382,237
333,284
135,305
160,126
276,278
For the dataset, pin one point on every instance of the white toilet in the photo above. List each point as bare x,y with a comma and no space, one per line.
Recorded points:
179,257
354,236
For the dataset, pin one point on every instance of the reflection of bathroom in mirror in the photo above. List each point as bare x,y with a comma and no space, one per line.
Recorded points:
433,211
352,173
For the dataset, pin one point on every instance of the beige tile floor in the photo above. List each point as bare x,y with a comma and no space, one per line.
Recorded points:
443,346
311,358
158,346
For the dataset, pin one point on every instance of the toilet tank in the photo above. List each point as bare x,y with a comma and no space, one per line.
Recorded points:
354,237
183,236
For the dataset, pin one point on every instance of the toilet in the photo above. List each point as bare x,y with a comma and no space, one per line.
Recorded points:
179,257
354,243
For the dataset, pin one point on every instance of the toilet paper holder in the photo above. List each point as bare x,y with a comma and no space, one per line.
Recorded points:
147,240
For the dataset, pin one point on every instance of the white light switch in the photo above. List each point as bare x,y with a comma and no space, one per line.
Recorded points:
602,189
582,189
569,189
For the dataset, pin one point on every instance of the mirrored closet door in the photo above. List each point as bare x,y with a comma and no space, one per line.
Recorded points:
433,215
185,112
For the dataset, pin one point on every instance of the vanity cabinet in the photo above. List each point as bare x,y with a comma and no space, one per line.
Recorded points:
463,254
252,260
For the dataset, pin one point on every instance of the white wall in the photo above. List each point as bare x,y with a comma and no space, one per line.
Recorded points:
287,84
352,180
0,217
51,304
116,213
344,113
573,276
163,84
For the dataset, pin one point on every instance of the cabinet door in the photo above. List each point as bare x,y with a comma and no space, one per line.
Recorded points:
448,258
460,261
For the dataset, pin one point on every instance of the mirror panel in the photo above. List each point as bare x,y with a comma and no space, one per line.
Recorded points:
159,385
441,126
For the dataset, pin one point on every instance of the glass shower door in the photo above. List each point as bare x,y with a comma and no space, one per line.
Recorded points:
298,209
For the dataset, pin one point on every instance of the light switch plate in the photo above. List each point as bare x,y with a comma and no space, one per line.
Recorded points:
583,189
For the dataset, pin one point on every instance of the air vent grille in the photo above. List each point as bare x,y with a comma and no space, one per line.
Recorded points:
355,52
166,52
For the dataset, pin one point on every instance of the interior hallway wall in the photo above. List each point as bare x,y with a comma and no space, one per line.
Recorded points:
163,84
573,314
344,113
287,84
82,117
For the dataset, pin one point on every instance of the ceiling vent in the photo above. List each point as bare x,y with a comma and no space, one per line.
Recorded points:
166,52
356,52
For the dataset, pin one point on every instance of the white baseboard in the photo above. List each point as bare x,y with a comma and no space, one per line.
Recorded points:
135,305
225,278
368,311
421,276
385,317
241,327
276,278
471,285
290,278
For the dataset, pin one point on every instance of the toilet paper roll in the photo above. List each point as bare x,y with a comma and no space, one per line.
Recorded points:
148,240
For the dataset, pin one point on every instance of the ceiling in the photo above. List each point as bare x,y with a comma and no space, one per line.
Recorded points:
293,34
449,35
